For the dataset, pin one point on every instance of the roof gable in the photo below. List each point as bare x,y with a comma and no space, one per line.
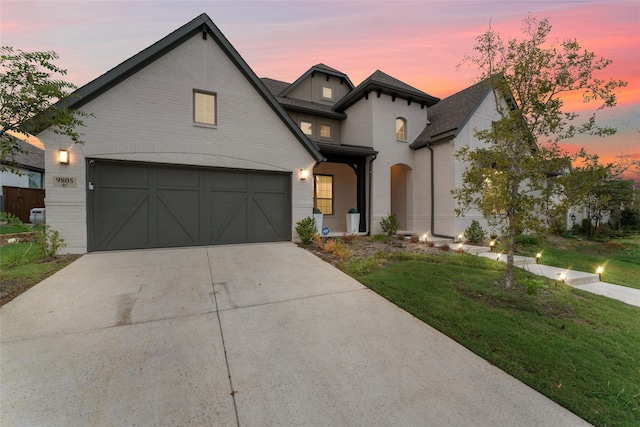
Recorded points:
204,25
380,83
322,69
449,116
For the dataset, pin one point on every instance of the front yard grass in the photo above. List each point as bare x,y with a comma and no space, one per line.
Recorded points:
620,258
24,265
579,349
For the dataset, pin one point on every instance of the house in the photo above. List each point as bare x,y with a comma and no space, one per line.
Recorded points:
187,146
21,180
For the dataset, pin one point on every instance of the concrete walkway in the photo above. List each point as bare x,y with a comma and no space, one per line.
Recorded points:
248,335
589,282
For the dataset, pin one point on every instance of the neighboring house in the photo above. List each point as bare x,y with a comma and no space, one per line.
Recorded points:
187,146
21,181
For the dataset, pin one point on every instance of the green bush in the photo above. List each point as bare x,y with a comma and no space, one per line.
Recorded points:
390,225
475,233
306,228
50,240
558,223
629,219
14,221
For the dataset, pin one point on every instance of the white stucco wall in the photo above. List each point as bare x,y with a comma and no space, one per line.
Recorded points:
393,152
149,118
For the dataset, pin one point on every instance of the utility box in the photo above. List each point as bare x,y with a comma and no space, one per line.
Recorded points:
37,216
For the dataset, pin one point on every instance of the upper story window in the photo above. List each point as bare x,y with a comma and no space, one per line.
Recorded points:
401,129
327,93
204,107
307,127
325,131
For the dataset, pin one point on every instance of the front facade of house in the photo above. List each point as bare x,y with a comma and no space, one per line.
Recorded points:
186,146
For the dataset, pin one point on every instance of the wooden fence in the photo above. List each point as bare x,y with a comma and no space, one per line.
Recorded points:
20,201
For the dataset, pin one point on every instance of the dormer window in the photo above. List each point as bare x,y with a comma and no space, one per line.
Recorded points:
325,132
401,129
307,128
327,93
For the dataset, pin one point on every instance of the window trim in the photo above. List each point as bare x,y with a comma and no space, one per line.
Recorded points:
322,88
403,128
325,138
215,108
315,194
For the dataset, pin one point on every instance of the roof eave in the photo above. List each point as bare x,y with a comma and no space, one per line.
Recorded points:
202,24
382,88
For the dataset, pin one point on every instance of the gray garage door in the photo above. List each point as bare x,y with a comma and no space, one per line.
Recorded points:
133,206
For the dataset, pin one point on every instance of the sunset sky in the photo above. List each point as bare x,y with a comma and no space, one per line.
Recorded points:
418,42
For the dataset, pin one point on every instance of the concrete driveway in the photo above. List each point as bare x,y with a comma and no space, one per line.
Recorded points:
249,335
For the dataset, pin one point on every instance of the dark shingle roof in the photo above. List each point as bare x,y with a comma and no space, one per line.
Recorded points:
31,158
380,82
275,86
448,116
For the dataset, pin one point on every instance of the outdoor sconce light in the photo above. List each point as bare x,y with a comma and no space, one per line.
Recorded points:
573,220
63,157
599,271
492,244
562,277
304,174
538,256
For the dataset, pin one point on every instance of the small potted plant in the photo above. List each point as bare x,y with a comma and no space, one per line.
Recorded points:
353,221
317,215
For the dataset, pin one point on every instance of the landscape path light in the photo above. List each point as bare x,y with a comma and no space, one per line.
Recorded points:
562,277
492,244
538,256
599,271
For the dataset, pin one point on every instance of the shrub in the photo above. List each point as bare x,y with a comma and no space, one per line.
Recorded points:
475,233
389,224
317,211
445,248
306,228
49,239
348,238
557,223
628,219
414,238
13,221
353,210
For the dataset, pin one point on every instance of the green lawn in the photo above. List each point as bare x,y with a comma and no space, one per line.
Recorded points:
579,349
24,265
620,257
12,229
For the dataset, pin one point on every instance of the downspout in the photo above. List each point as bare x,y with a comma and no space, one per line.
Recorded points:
369,219
433,198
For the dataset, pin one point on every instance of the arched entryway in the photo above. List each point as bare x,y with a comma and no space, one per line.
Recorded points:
399,177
